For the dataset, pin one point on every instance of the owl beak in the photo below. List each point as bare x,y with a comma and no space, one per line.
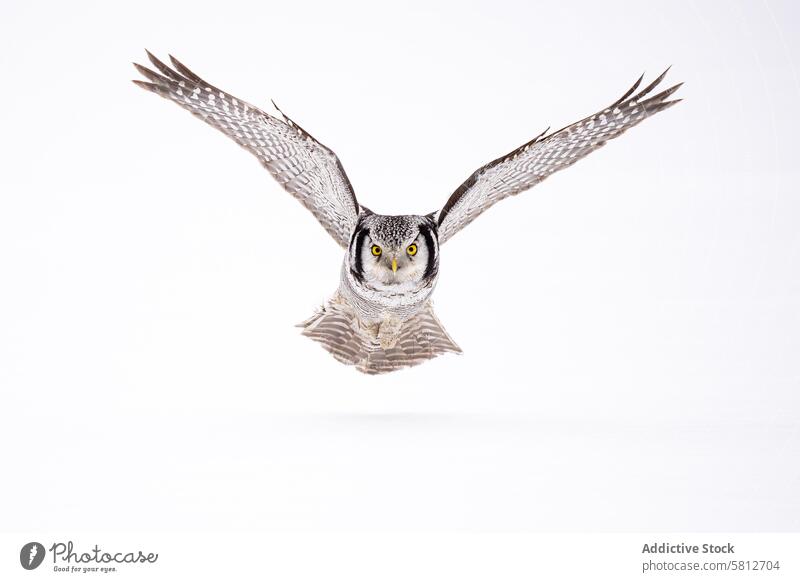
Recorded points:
394,265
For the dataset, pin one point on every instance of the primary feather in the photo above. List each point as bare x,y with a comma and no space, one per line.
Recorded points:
535,160
305,168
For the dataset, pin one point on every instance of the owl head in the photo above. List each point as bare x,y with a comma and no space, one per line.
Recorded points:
392,250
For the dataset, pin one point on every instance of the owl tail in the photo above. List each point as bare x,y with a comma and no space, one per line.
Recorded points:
417,340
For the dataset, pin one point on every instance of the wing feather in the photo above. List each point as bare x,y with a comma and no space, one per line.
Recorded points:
532,162
304,167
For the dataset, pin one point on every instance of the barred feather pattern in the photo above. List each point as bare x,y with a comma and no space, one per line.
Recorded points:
545,154
303,166
337,327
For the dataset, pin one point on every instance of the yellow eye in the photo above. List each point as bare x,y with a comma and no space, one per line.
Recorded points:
412,250
376,250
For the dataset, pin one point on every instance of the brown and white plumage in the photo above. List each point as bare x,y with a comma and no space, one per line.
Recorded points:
338,328
381,318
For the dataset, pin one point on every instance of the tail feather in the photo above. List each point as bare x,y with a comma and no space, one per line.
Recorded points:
337,328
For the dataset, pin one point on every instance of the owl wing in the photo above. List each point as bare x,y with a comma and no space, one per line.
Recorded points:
535,160
304,167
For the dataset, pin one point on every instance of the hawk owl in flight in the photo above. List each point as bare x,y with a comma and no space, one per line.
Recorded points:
381,319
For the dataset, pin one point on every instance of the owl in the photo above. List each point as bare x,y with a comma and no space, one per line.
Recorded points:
381,318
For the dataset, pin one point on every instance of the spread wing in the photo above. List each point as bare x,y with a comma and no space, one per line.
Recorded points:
534,161
303,166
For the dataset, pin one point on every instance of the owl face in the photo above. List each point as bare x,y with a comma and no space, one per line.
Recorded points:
394,250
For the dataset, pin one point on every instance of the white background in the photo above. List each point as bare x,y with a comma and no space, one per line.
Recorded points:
631,327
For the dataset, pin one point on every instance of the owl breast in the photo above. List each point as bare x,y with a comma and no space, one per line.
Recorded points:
374,303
